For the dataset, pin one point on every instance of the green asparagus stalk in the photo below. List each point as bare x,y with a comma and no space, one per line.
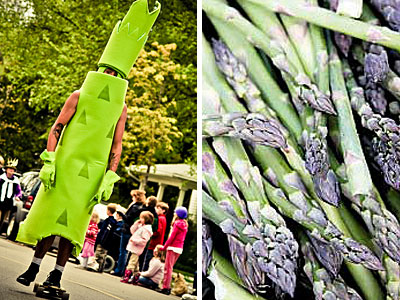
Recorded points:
305,88
225,266
330,20
226,288
380,222
300,37
393,201
270,90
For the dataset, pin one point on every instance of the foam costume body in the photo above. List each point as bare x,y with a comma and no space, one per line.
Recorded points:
82,153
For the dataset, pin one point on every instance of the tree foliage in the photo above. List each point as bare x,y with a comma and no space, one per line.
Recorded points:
48,48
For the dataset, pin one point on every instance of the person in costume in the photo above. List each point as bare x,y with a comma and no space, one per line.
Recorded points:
84,149
10,190
174,246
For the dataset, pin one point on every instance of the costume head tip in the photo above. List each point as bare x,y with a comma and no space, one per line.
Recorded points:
129,37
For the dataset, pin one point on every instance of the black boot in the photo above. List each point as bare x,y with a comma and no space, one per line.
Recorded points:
53,279
165,291
29,276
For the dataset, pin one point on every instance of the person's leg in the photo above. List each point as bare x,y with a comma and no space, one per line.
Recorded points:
4,216
148,257
171,259
122,254
133,260
145,281
41,248
64,251
141,259
101,257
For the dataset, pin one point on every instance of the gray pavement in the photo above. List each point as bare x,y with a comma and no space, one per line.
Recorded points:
80,284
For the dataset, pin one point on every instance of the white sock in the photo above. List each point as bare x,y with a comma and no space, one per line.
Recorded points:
59,268
84,261
37,261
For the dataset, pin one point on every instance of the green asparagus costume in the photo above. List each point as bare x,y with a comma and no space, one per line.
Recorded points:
82,154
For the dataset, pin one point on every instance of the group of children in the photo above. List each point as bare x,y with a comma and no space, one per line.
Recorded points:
147,222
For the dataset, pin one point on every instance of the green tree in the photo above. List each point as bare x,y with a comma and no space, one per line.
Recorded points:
150,129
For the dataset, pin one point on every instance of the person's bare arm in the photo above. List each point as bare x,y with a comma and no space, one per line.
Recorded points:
64,117
116,148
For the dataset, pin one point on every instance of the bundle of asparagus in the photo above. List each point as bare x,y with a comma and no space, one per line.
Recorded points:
295,119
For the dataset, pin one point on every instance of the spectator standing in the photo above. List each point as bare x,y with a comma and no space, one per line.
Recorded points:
90,239
120,222
150,205
152,277
141,234
133,212
104,239
158,236
10,190
1,165
174,246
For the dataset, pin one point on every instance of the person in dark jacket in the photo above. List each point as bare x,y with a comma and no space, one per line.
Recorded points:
104,239
150,205
133,212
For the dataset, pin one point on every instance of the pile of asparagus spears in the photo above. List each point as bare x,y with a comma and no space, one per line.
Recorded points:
301,149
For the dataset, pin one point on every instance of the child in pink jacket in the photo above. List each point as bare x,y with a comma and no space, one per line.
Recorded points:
90,239
141,234
174,246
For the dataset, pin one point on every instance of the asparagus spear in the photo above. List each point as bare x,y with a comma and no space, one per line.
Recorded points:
324,285
225,287
268,225
271,92
306,90
257,251
380,222
390,11
254,127
386,129
271,134
207,245
312,217
330,20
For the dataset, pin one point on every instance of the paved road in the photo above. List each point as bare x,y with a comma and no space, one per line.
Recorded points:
81,284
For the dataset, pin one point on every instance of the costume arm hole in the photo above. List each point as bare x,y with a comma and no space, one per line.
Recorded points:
116,148
66,114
